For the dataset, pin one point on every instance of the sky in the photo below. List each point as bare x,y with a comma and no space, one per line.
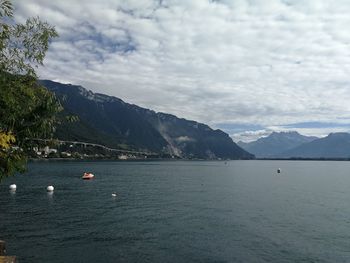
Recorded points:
248,67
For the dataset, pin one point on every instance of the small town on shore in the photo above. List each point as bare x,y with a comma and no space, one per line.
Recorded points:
59,149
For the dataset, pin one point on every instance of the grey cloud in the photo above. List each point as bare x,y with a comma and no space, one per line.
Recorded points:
260,62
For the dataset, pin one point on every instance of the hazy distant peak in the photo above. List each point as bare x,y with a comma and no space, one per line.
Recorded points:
335,145
276,143
339,134
282,133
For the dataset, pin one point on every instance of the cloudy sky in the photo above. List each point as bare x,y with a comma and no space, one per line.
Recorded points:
248,67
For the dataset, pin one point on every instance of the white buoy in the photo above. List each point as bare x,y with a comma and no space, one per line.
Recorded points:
13,187
50,188
114,194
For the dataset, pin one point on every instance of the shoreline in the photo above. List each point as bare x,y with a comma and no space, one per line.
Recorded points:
175,160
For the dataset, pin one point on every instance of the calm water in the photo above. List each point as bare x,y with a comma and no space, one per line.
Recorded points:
241,211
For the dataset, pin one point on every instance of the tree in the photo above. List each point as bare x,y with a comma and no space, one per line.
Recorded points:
26,109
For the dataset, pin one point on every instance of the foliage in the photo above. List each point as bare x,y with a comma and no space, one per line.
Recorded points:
26,109
6,140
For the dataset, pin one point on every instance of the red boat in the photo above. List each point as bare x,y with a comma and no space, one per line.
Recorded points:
88,176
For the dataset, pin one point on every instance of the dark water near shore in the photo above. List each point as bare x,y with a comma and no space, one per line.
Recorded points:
241,211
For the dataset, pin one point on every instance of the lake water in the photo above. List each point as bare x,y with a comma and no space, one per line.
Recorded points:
241,211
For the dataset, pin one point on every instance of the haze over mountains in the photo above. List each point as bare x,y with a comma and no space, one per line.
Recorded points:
335,145
112,122
295,145
275,144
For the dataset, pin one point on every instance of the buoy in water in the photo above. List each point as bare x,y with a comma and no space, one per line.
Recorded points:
279,170
13,187
50,188
114,194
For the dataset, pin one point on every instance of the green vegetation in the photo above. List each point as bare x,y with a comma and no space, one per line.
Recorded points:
26,110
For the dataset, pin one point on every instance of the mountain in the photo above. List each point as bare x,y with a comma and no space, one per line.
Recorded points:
335,145
112,122
275,144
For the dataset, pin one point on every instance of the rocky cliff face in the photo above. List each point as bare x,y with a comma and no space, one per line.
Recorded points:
110,121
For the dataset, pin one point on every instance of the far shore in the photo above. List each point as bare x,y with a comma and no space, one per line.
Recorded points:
178,159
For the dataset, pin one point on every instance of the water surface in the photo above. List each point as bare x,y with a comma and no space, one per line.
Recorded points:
241,211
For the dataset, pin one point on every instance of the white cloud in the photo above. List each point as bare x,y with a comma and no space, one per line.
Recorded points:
249,136
260,62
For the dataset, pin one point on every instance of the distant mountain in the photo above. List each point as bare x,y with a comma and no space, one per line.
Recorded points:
275,144
335,145
112,122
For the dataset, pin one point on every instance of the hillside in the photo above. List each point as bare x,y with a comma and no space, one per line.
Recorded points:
335,145
110,121
275,144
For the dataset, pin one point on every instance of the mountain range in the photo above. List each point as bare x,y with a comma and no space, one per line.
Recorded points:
335,145
294,145
275,144
114,123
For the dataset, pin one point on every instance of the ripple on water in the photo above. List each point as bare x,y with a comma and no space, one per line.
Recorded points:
179,212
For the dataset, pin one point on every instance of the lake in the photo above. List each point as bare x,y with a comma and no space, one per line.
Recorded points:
180,211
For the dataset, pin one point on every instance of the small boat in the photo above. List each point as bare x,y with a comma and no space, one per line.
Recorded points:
88,176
